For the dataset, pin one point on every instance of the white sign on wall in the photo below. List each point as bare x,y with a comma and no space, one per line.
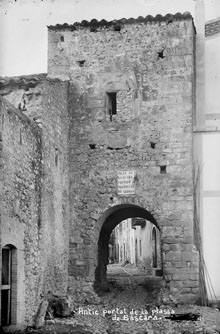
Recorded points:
126,185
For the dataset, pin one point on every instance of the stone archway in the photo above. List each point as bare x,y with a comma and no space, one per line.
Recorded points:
108,221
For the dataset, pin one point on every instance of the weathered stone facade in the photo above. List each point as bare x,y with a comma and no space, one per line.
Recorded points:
150,67
21,200
147,66
34,199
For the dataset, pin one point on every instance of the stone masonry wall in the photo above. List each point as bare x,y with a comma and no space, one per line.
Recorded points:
55,194
46,105
150,68
21,172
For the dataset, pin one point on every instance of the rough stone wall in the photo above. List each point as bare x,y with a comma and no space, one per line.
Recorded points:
150,67
55,194
21,164
48,108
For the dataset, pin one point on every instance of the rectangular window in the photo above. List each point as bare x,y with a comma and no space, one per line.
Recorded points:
6,287
112,104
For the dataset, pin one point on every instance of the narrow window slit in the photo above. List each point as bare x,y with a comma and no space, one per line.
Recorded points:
92,146
20,140
152,145
114,148
56,156
163,169
160,54
111,104
81,63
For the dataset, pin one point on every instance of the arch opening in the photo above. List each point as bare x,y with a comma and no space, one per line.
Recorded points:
133,250
9,285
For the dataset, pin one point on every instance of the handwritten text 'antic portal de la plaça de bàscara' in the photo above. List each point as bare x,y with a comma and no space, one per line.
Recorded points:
122,314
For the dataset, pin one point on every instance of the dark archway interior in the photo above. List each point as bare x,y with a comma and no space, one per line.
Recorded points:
109,220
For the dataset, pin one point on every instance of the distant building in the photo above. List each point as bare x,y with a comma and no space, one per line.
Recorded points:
136,241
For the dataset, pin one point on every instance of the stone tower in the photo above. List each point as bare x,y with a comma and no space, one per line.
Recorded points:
131,99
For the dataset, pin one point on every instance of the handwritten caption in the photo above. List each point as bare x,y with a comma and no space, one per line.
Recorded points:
122,314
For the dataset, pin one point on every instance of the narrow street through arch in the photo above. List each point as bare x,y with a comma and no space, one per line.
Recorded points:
109,221
132,286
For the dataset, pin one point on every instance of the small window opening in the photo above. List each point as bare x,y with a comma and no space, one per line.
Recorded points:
56,156
92,146
117,27
39,221
170,21
111,104
160,54
163,169
62,38
152,145
81,63
114,148
20,141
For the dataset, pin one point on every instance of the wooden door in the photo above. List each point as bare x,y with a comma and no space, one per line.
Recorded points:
6,286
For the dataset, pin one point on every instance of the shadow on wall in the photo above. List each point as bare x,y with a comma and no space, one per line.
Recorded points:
109,220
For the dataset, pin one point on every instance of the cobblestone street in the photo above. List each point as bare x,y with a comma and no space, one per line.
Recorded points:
132,306
132,285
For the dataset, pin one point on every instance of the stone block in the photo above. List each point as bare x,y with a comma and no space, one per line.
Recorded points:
179,265
177,284
194,277
168,265
180,277
196,291
87,241
190,256
191,284
80,262
170,270
187,239
60,306
173,256
40,318
188,298
166,247
176,247
186,290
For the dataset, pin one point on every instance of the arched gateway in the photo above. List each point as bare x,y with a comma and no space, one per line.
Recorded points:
108,221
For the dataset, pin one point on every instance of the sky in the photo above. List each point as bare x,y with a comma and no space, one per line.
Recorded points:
23,24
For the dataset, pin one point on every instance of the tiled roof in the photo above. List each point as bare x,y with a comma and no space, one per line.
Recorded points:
93,24
212,27
24,80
